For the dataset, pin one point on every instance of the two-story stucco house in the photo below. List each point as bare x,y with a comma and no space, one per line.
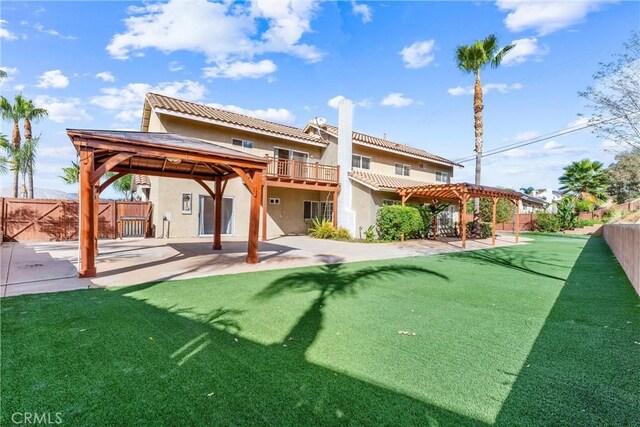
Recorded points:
318,171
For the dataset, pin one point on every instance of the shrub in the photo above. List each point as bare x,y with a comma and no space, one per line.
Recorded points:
341,233
504,210
567,213
322,229
395,220
485,229
547,223
369,234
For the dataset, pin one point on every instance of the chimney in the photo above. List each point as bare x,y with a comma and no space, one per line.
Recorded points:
346,215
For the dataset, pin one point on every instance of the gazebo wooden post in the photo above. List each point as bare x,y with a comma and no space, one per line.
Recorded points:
434,220
463,220
265,203
96,215
217,216
254,218
494,201
517,228
87,216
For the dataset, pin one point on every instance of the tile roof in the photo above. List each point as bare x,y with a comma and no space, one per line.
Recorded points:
141,180
249,123
392,146
385,182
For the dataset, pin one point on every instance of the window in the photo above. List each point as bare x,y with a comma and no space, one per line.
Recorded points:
422,166
313,209
442,176
326,210
242,143
274,201
389,202
402,169
361,162
186,203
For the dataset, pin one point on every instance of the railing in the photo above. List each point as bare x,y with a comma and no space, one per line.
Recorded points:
302,171
133,226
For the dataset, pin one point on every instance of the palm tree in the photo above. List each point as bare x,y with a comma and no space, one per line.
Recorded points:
25,159
3,74
71,174
527,190
14,113
31,114
471,59
4,159
586,180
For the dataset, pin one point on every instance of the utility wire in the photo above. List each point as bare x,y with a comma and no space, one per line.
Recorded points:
536,140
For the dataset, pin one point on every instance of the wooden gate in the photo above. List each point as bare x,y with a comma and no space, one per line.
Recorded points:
46,220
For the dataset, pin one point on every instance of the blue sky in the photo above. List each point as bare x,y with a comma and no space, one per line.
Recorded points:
90,64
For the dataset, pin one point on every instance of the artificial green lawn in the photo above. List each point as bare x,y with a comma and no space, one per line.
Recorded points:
544,333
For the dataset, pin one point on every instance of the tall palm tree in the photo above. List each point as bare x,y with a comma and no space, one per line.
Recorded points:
471,59
25,159
31,114
4,158
71,175
14,113
586,180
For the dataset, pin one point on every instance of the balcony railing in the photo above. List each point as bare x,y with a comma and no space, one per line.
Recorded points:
302,171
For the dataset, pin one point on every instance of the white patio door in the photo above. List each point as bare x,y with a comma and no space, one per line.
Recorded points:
206,212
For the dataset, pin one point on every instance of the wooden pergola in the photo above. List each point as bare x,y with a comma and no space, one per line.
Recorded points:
460,194
165,155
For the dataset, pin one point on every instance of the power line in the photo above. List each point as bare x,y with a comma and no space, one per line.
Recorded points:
536,140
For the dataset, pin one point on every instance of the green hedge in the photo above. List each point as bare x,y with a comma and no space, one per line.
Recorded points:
394,220
485,229
547,223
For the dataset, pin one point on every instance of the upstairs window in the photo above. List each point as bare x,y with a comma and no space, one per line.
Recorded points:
361,162
402,169
242,143
442,176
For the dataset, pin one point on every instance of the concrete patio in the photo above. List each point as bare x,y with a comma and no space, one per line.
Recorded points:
29,268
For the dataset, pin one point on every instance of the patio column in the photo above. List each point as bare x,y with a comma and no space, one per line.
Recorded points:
254,218
217,216
463,220
87,242
493,220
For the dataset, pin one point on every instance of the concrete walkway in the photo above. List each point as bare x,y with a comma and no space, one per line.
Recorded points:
29,268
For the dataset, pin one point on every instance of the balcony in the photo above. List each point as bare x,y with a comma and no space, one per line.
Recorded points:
298,172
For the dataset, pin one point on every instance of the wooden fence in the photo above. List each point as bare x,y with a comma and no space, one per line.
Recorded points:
47,220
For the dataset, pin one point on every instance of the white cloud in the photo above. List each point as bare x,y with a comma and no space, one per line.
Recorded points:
362,10
40,28
19,87
487,88
280,115
225,32
419,54
546,17
526,135
60,152
106,76
63,110
397,100
175,66
4,33
580,121
53,79
239,70
524,50
126,101
335,102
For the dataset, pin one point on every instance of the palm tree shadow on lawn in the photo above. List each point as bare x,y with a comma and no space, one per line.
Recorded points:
331,280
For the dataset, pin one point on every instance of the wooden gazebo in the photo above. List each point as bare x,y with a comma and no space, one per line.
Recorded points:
160,154
460,194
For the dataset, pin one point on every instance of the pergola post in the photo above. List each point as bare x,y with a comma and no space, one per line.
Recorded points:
494,201
463,220
265,203
87,216
217,216
254,218
434,220
96,216
517,230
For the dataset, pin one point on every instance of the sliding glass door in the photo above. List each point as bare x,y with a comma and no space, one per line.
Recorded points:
206,216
